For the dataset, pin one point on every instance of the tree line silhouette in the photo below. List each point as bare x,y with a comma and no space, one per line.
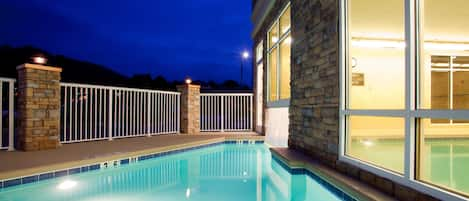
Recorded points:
89,73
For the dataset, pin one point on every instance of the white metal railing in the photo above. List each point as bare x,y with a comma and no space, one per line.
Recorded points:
92,112
226,112
7,107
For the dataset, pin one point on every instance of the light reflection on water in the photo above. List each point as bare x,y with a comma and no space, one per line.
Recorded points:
224,172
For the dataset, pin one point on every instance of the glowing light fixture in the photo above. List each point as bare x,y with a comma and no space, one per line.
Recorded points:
39,60
274,39
188,192
378,44
245,54
288,40
367,143
67,184
372,43
447,46
188,80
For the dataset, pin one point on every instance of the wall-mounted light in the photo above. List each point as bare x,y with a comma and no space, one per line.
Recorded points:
354,62
188,80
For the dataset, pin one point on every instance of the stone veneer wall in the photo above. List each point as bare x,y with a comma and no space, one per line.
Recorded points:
190,108
38,107
314,104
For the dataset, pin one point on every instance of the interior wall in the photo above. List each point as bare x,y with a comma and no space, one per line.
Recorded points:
383,67
384,87
276,126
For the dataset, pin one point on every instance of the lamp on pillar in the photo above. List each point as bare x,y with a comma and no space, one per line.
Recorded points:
188,80
189,107
39,59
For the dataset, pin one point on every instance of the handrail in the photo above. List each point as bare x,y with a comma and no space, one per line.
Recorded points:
116,88
94,112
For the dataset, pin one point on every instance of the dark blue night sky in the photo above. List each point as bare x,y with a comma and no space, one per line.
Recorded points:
199,38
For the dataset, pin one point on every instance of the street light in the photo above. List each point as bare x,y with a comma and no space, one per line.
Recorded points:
244,56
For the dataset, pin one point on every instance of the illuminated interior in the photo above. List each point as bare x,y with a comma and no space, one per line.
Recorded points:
376,79
279,43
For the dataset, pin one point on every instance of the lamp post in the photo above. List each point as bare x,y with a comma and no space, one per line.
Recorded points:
244,56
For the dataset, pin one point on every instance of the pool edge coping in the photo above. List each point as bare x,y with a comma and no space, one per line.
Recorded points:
348,185
34,174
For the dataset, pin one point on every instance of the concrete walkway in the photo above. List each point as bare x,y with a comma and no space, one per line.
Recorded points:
17,163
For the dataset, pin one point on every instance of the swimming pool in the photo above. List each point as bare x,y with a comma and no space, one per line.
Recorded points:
444,161
226,171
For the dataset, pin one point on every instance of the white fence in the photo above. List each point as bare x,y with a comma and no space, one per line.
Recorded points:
92,112
226,112
7,104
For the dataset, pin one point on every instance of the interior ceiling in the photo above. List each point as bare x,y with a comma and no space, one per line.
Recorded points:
444,20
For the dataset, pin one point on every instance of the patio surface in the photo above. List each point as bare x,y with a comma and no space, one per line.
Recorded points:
17,163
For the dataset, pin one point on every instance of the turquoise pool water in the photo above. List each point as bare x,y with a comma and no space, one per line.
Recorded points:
444,162
221,172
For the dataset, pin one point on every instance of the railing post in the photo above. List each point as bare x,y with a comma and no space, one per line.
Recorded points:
11,115
149,112
190,108
178,114
222,115
38,107
109,116
251,113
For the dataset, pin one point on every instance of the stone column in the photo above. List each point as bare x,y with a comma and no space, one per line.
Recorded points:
38,107
190,108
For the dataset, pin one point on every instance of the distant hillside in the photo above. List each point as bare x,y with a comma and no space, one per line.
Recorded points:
73,70
88,73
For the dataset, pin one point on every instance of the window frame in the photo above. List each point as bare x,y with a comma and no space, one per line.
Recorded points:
451,70
278,102
412,112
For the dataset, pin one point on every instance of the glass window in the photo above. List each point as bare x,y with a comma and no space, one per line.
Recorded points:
285,51
273,35
285,22
259,53
377,140
376,54
279,54
375,73
273,75
444,155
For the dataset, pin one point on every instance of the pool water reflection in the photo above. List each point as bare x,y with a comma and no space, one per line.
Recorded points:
223,172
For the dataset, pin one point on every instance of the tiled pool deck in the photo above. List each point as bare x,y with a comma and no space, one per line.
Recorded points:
18,164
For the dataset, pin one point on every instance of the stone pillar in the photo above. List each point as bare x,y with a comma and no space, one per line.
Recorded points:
38,107
190,108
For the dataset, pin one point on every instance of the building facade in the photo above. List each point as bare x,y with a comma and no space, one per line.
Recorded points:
378,90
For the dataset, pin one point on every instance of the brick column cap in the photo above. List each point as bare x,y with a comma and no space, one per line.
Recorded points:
39,67
182,86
